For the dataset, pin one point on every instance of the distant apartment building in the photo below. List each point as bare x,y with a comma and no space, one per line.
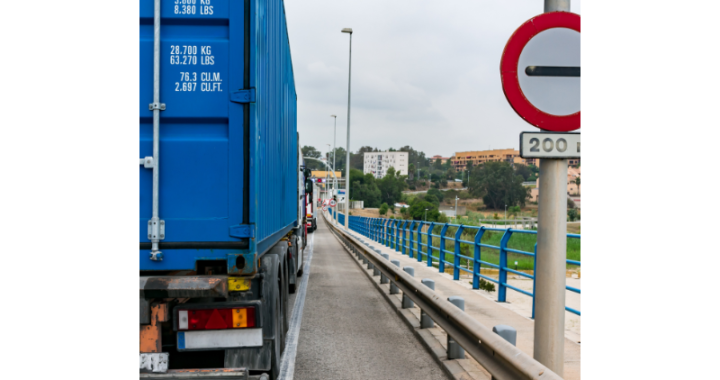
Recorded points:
378,163
460,159
439,157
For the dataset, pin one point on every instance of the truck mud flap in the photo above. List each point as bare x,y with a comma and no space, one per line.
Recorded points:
183,287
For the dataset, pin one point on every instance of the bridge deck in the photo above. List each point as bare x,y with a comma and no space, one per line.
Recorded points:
349,331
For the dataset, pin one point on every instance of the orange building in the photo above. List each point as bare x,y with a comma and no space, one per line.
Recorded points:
477,157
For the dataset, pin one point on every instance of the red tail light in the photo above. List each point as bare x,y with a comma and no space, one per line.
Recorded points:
216,319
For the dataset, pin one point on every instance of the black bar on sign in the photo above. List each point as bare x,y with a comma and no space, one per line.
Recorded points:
552,71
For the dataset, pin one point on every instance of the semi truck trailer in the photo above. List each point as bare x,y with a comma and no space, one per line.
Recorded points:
222,188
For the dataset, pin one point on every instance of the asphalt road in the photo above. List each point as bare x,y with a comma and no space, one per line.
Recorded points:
348,330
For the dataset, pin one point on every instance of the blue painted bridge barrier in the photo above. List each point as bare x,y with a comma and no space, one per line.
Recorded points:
408,238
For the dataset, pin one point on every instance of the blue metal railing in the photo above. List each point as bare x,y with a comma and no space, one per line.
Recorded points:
408,237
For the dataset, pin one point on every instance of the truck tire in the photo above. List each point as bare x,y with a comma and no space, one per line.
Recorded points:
279,298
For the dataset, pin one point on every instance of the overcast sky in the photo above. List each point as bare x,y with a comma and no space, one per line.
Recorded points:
424,73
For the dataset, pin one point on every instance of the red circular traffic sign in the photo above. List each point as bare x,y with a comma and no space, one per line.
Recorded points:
509,71
332,203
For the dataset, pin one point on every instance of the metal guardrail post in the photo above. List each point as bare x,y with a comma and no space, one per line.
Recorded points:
397,235
404,237
391,235
410,239
429,244
393,288
441,254
385,226
506,332
534,277
407,303
454,351
456,255
425,320
383,277
419,241
477,257
502,273
376,271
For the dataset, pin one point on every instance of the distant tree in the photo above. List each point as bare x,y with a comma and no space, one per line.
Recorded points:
497,184
534,169
570,203
411,172
573,214
310,151
514,211
364,188
391,186
450,173
417,210
523,171
357,160
437,165
430,198
577,182
440,195
340,158
383,209
415,156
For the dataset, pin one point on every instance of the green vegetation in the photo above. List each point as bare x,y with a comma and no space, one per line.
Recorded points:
573,215
498,185
518,241
309,151
383,209
364,187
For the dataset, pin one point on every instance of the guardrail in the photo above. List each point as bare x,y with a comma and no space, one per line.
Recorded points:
499,357
408,237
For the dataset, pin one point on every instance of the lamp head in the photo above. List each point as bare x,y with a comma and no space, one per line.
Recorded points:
347,30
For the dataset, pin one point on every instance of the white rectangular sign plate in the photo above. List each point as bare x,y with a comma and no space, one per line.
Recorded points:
216,339
549,145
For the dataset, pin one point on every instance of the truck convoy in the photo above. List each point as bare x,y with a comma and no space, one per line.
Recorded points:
222,188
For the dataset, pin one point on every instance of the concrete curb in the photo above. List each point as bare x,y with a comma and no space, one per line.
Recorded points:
433,339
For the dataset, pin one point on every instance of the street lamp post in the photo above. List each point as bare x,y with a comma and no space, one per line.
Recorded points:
334,146
506,214
347,161
456,209
327,175
425,219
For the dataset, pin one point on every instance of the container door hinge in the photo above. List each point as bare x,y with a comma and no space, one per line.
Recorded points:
156,232
156,229
243,96
157,106
242,231
147,162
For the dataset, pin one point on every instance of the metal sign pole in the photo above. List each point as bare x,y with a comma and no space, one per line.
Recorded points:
549,344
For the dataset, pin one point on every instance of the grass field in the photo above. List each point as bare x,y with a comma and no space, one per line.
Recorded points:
518,241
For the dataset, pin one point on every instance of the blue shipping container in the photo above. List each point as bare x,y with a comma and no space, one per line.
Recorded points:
228,138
